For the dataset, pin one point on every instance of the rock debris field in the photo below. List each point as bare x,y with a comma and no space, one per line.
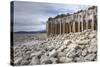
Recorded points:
66,48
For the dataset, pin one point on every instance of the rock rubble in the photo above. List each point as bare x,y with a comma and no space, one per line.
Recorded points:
66,48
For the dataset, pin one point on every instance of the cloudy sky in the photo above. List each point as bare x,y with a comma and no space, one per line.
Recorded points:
32,16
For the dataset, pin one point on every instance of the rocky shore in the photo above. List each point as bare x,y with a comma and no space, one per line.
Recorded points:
66,48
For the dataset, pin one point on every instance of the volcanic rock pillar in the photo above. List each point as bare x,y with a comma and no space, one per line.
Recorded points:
60,27
47,28
82,26
74,27
78,26
92,24
86,24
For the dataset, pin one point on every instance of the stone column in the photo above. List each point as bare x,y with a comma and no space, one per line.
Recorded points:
64,28
82,26
55,28
74,27
92,24
60,27
47,28
86,24
51,28
78,26
69,28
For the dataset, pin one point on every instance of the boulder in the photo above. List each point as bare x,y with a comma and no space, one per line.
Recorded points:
62,47
35,60
39,53
25,62
67,42
90,57
68,60
18,60
82,42
92,35
71,53
62,60
54,60
50,47
92,48
78,59
45,60
84,52
71,50
72,46
53,53
61,54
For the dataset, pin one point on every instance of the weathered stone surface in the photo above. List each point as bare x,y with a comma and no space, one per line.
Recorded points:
62,59
18,61
67,42
35,60
72,46
53,53
36,53
25,62
68,60
82,42
79,59
90,57
71,53
61,54
54,60
62,48
84,52
92,35
92,49
45,60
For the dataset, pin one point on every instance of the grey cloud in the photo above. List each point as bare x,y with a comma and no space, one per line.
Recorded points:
33,16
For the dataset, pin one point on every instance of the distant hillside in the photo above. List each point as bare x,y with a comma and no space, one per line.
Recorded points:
32,32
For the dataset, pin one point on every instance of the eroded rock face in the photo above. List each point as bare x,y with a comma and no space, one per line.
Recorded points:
73,47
